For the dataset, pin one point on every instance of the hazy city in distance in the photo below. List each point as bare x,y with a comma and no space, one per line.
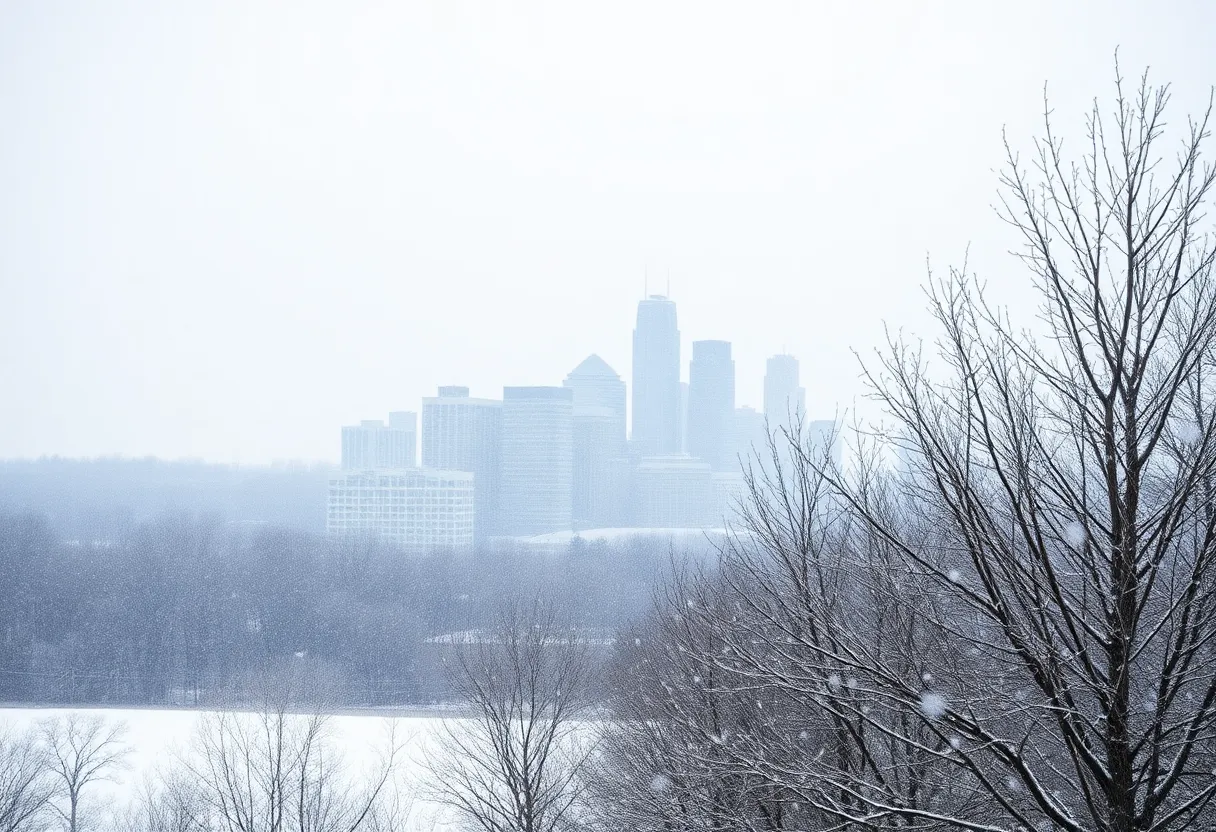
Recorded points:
647,416
547,460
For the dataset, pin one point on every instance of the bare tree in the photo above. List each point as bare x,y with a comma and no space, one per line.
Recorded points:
274,770
514,764
166,802
81,749
1057,522
1019,630
26,788
680,750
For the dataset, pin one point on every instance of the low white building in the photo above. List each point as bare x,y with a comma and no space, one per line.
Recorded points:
416,508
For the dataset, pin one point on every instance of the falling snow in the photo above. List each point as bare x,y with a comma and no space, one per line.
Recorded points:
932,705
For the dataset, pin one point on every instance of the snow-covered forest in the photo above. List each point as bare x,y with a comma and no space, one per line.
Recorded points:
180,609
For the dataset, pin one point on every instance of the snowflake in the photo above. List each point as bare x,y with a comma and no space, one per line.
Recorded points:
1189,433
955,576
1075,534
660,783
932,705
834,681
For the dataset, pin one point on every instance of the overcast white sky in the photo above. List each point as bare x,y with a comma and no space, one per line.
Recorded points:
226,229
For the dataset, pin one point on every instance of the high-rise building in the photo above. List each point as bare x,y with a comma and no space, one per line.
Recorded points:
372,445
595,384
824,435
460,433
406,420
537,459
415,508
711,404
599,438
730,497
750,440
682,444
656,377
675,492
784,400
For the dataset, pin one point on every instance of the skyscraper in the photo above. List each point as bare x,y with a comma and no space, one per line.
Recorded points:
784,400
750,441
465,434
537,459
824,436
675,492
599,439
682,428
595,384
711,404
656,377
372,445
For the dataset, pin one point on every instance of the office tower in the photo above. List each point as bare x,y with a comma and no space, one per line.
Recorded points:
373,445
599,438
682,444
824,435
417,509
406,421
595,384
784,400
711,404
750,440
460,433
537,459
730,496
656,377
674,492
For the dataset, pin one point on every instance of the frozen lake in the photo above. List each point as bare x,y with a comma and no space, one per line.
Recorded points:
158,735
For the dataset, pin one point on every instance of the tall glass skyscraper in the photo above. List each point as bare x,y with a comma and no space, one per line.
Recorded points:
537,459
460,433
711,404
595,384
599,441
656,378
784,400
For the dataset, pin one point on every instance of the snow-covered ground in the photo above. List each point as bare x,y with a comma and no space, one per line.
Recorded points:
156,736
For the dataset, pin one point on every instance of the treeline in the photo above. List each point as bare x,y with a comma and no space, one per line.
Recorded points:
180,609
104,499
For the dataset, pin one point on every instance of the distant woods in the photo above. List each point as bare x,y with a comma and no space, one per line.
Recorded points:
104,499
185,610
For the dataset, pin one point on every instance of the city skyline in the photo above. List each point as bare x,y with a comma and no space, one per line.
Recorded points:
554,459
245,232
597,386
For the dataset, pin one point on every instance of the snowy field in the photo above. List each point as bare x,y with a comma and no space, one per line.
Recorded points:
156,736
